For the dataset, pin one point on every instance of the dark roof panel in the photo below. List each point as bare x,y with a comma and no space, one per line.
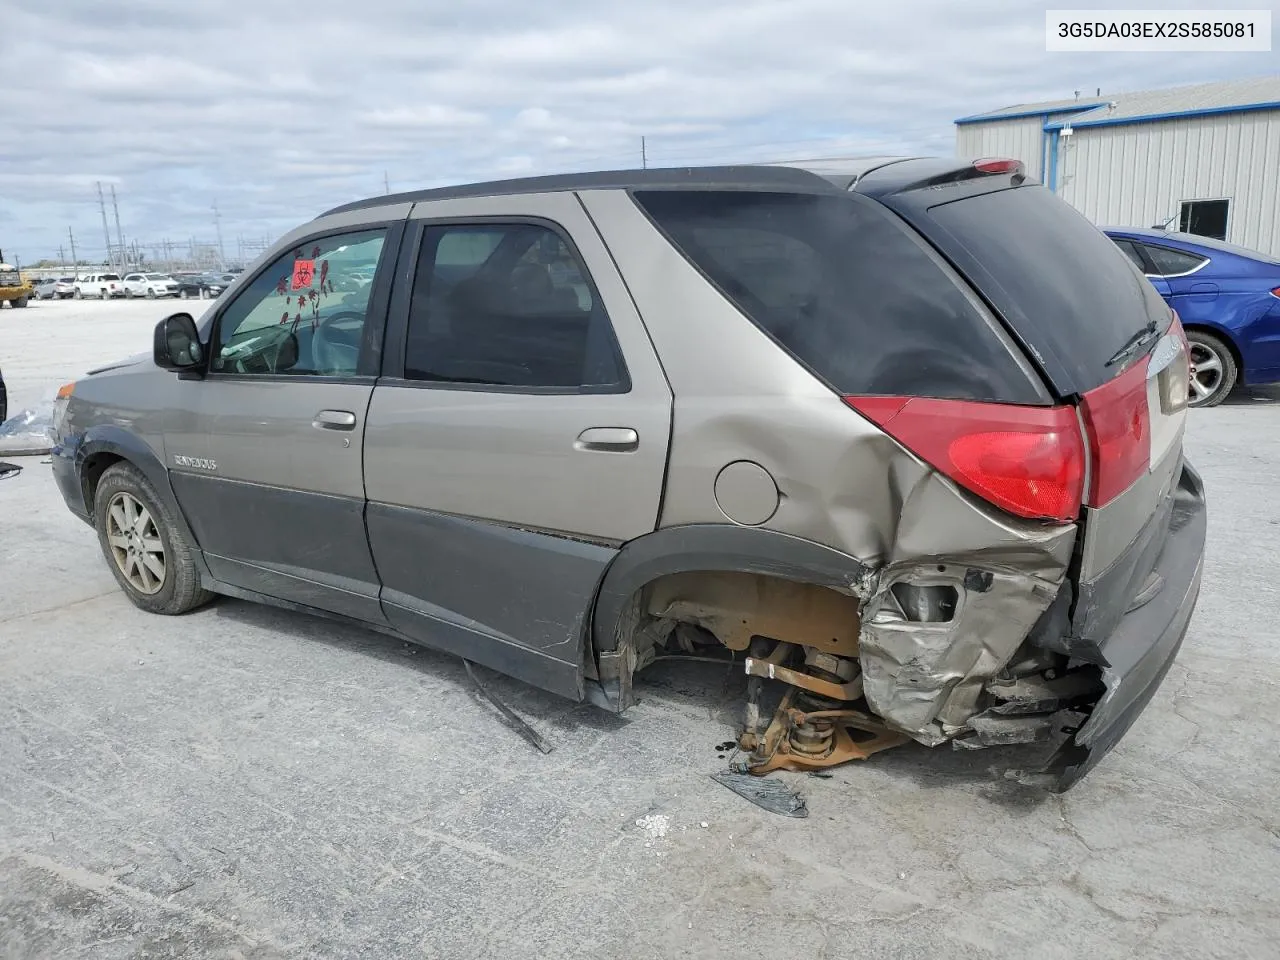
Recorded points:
743,177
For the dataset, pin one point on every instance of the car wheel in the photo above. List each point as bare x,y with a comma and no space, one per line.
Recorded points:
147,553
79,294
204,294
151,294
20,302
1213,369
182,294
128,294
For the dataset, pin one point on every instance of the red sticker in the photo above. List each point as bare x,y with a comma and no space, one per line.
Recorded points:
303,271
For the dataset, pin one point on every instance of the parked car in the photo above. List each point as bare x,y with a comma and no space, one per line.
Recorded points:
202,286
46,289
100,285
4,399
1228,298
150,285
901,437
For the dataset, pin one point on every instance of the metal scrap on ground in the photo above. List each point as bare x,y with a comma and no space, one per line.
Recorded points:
771,795
520,725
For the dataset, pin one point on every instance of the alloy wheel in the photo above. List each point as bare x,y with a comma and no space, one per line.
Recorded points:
136,545
1206,373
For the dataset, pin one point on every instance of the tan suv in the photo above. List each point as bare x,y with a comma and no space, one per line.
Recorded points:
902,439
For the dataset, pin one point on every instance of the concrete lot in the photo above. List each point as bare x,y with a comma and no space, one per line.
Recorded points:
244,782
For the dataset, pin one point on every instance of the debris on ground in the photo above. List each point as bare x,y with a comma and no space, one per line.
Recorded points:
771,795
28,432
520,726
654,825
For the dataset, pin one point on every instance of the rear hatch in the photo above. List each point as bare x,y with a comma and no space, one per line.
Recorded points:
1103,340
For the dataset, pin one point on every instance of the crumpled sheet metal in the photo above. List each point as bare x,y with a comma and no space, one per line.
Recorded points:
765,792
924,678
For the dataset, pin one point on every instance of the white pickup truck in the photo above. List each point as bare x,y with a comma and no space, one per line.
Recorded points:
150,285
100,285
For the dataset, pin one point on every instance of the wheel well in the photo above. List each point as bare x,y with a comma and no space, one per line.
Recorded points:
94,466
1224,338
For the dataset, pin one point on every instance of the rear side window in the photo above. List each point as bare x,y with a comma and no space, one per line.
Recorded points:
1061,282
1170,263
847,290
508,306
1133,253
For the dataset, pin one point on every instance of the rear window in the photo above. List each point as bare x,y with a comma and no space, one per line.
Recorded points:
848,291
1171,263
1061,282
109,276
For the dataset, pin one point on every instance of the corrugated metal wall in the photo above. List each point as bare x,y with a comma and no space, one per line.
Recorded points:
1015,139
1138,174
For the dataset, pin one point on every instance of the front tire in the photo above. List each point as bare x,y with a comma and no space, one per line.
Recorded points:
183,295
143,545
204,294
20,302
79,294
151,294
1213,369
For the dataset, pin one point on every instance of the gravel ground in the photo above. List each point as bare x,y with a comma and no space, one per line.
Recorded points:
244,782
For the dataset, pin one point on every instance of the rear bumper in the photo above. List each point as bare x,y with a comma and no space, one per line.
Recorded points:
1144,644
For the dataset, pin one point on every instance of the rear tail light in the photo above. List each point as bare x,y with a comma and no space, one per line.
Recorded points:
1275,292
1029,461
1117,421
998,166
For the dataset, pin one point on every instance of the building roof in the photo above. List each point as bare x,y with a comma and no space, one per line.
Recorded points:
1229,96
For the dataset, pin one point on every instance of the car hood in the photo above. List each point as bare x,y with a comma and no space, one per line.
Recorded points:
137,360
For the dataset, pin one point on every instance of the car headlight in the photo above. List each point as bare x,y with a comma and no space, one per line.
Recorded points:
60,405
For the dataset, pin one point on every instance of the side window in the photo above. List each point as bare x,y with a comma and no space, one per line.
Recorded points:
508,305
1172,262
1133,253
305,314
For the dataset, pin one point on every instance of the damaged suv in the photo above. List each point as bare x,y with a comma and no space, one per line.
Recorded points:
902,437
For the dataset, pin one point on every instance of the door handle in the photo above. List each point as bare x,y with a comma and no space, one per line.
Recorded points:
334,420
610,439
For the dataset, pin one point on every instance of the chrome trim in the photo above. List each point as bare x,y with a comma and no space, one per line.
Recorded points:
1185,273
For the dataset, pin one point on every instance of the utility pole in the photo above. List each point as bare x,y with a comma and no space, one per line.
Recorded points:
119,234
62,260
75,263
106,231
644,156
386,183
217,227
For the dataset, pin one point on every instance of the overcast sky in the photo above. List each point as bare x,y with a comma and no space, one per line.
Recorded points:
278,110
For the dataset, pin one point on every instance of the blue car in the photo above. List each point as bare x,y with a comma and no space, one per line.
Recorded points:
1228,298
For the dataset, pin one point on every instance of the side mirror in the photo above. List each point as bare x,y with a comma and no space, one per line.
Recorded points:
177,344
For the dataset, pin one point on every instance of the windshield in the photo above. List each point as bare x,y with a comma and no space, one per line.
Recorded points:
156,276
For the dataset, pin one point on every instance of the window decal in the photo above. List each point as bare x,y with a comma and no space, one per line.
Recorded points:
303,273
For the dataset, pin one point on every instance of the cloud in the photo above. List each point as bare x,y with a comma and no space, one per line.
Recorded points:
279,110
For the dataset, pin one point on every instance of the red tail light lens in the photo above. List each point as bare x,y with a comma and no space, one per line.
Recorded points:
1026,460
1118,422
998,166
